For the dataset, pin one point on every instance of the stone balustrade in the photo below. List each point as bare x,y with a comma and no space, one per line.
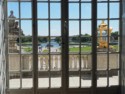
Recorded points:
55,62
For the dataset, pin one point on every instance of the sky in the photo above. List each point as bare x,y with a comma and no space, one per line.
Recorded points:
55,13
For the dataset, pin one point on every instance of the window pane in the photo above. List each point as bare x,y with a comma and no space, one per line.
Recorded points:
27,80
73,28
43,28
26,45
26,62
42,10
73,10
55,10
102,11
114,10
26,10
86,28
26,27
55,28
43,45
86,10
14,80
13,6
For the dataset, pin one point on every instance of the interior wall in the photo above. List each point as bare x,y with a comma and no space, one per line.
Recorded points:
2,51
123,50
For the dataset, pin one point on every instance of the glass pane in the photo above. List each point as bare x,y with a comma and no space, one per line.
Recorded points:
43,28
86,78
55,79
14,80
26,27
43,62
26,45
14,62
43,45
13,6
55,28
86,45
43,80
74,48
26,10
114,10
86,28
55,10
73,0
86,62
55,44
114,78
74,40
26,62
74,79
114,26
74,62
27,80
86,10
113,61
73,28
101,61
101,78
73,10
102,11
56,62
42,10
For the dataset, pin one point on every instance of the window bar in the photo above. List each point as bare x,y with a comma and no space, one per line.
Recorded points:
80,43
94,48
108,43
20,45
120,40
7,52
49,45
35,43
